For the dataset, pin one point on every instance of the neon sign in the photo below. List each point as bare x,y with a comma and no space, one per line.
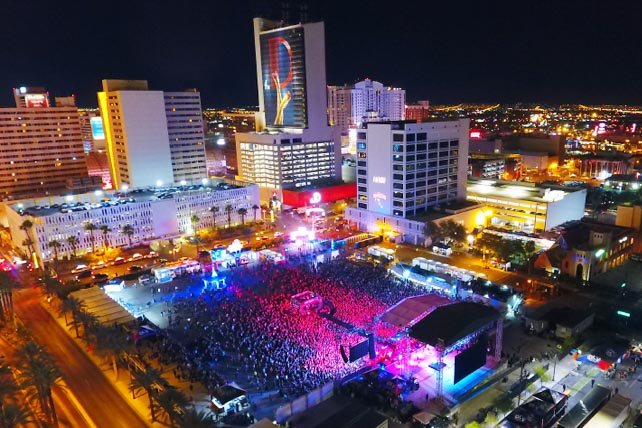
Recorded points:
316,198
379,180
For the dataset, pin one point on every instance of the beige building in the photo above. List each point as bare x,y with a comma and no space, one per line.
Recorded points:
40,148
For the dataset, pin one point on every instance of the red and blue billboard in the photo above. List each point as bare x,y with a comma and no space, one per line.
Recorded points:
283,72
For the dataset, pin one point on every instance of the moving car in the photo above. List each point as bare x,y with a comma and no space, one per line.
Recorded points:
134,268
84,274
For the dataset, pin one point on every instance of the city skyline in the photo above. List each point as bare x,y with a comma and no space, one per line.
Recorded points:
576,52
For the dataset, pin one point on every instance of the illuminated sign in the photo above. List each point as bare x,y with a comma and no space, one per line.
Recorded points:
379,195
316,198
475,134
36,100
97,129
283,75
380,180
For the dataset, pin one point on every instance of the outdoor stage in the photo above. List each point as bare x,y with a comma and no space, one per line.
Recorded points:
449,347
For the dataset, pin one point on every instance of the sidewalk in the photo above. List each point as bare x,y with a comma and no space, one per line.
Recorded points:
200,397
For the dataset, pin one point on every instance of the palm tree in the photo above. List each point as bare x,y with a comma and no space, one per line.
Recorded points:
255,208
194,219
242,212
104,229
13,416
214,210
27,226
55,245
40,374
147,379
7,284
171,405
195,419
111,342
73,243
75,306
129,231
228,210
89,323
90,227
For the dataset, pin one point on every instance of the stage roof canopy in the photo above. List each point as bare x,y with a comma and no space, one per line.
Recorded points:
410,308
450,323
103,307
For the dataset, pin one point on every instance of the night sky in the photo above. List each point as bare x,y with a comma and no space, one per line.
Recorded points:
555,51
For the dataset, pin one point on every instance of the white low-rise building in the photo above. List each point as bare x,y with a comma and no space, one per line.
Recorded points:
152,213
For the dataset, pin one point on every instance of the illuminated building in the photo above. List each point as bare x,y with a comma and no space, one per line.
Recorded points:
340,107
153,213
404,169
153,137
93,132
293,144
526,205
186,139
40,146
495,166
587,248
31,97
418,112
371,101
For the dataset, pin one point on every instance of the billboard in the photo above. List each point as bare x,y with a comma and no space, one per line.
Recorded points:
97,129
36,100
283,75
471,359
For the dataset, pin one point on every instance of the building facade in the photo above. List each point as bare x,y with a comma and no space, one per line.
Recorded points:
40,148
372,101
404,168
186,139
93,132
293,144
526,206
153,137
153,214
340,107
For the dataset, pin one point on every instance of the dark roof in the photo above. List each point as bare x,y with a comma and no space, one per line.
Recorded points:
586,408
566,316
450,323
411,308
227,393
338,412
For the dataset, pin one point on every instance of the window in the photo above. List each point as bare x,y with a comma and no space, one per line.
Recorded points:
361,163
363,206
421,147
397,158
443,144
397,194
410,137
410,148
397,167
362,155
397,137
410,176
361,136
361,146
362,181
397,204
361,172
421,136
432,146
363,189
397,148
397,186
397,176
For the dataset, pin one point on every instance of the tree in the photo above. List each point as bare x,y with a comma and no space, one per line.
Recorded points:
242,212
73,243
529,247
111,342
195,419
147,379
39,375
171,405
214,210
504,404
55,245
228,210
74,306
194,219
91,228
104,229
13,415
543,375
7,284
89,324
128,231
27,227
452,231
255,208
433,231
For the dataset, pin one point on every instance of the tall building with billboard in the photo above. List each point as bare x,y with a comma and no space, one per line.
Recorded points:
293,145
153,137
40,146
93,132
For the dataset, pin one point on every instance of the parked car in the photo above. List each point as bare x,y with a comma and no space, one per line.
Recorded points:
84,275
134,268
101,277
119,261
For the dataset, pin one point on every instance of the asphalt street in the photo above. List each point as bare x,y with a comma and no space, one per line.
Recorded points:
93,391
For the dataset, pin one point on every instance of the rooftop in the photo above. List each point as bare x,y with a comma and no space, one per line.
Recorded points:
104,199
516,190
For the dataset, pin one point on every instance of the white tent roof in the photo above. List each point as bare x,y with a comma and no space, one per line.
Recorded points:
103,307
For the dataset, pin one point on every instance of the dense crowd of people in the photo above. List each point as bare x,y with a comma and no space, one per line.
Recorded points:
252,322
